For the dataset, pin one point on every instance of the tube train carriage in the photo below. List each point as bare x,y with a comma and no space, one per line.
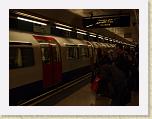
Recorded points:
38,62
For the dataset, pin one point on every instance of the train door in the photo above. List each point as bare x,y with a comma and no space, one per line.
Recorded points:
47,65
56,63
51,58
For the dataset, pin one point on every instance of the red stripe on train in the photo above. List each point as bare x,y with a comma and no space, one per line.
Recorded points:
43,37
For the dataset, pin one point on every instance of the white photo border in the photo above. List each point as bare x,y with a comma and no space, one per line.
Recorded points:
142,109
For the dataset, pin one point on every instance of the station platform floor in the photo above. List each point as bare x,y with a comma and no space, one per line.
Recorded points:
85,97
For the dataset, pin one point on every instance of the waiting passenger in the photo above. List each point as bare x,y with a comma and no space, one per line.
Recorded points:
120,92
103,70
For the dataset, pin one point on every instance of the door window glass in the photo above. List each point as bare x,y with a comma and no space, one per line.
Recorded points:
45,55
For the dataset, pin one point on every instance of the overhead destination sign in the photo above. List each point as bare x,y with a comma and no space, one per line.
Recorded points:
106,21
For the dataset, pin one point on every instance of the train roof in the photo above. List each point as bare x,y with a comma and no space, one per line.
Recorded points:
22,37
17,37
70,42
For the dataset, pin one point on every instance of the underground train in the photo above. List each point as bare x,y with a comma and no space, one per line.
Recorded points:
37,62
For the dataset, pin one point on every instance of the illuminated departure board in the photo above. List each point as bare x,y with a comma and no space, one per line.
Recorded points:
106,21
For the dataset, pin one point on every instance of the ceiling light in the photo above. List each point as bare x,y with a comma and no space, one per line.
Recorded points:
100,36
106,38
32,21
92,35
31,16
59,24
81,30
81,33
89,25
63,28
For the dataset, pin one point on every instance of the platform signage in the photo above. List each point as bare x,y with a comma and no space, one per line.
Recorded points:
106,21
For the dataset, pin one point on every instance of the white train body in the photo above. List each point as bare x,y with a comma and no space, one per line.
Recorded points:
38,62
24,75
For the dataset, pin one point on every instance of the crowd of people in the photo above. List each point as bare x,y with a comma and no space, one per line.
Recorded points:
119,70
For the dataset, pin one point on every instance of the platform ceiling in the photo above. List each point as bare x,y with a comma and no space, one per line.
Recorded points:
74,18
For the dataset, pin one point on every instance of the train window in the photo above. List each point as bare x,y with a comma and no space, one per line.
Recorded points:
15,58
54,54
50,54
87,52
78,55
27,56
76,52
45,55
58,54
72,52
84,51
90,51
20,57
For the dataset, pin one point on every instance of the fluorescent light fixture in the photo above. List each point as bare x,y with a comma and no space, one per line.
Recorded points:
81,33
31,16
28,20
89,25
92,35
106,38
81,44
63,28
81,30
59,24
110,39
100,37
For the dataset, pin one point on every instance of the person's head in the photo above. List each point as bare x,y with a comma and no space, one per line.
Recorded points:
121,61
119,46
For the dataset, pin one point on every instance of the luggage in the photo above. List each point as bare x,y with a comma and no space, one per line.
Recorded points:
100,84
95,84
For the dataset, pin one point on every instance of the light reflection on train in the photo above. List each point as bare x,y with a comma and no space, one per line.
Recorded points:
37,62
